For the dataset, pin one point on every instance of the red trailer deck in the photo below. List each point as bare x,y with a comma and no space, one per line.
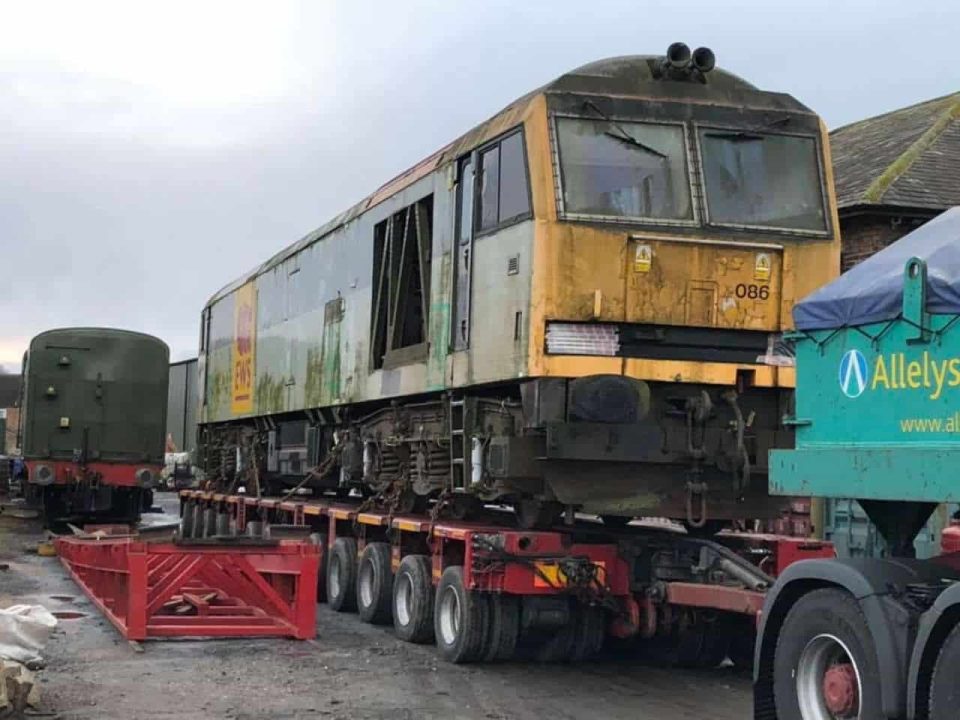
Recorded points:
484,590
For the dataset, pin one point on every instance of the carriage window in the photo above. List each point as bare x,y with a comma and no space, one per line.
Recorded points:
401,286
504,191
760,179
624,169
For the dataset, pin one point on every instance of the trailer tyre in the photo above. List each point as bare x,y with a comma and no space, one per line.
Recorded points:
825,664
460,618
945,683
413,599
342,575
589,633
375,584
504,627
320,540
186,520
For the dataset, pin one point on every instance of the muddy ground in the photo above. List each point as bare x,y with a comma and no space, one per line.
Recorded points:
352,671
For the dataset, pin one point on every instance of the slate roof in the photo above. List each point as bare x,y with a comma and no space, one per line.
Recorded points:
9,390
906,158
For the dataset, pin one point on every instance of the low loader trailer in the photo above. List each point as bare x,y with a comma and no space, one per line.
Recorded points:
485,590
878,395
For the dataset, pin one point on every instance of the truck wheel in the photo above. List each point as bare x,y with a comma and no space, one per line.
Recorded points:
460,618
413,599
375,584
825,664
342,575
199,514
504,627
945,683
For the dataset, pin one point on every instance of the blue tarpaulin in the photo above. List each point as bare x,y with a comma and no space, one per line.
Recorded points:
873,290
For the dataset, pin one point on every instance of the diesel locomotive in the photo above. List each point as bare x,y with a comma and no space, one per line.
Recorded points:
575,306
94,404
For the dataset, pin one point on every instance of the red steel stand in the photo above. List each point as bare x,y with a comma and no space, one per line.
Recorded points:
152,590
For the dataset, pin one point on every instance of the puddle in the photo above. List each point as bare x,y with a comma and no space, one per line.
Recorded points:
68,615
62,598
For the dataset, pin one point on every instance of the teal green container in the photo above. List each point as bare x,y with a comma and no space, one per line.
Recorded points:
877,411
877,414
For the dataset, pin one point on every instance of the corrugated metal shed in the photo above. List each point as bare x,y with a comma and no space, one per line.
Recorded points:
182,401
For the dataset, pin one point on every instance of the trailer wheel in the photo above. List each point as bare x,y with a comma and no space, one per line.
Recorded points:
825,664
186,520
413,599
375,584
588,634
945,682
504,627
342,575
199,514
320,540
460,618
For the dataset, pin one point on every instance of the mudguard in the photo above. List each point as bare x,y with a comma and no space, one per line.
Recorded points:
877,584
926,646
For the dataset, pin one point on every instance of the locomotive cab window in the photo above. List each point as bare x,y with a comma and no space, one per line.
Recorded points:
401,286
624,170
504,192
755,179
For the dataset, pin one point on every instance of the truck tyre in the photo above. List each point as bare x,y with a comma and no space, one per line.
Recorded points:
945,683
198,517
413,599
504,627
825,664
342,575
375,584
460,618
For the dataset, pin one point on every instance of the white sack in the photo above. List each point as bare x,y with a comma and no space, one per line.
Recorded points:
24,630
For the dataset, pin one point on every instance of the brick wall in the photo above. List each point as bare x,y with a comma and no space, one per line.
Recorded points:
863,235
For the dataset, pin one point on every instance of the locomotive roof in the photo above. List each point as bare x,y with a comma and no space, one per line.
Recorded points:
99,331
627,76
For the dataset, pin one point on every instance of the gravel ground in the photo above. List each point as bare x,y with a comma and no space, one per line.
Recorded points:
351,671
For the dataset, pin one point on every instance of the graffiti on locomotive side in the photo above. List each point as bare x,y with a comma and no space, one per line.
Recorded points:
244,349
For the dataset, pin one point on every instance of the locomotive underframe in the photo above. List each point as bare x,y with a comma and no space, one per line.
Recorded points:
686,451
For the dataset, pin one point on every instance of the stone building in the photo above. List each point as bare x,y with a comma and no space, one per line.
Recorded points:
894,172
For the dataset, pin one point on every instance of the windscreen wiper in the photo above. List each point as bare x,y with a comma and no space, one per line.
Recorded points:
621,134
750,134
633,142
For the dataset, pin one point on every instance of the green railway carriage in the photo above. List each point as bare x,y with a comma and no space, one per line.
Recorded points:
577,303
93,421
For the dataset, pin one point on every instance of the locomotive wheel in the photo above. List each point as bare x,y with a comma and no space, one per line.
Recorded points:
375,584
460,618
825,664
342,575
945,683
464,507
504,627
413,599
533,513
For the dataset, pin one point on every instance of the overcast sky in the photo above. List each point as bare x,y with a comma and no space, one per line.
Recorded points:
150,152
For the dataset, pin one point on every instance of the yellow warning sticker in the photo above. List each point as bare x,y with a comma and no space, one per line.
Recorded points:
761,269
643,259
550,575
